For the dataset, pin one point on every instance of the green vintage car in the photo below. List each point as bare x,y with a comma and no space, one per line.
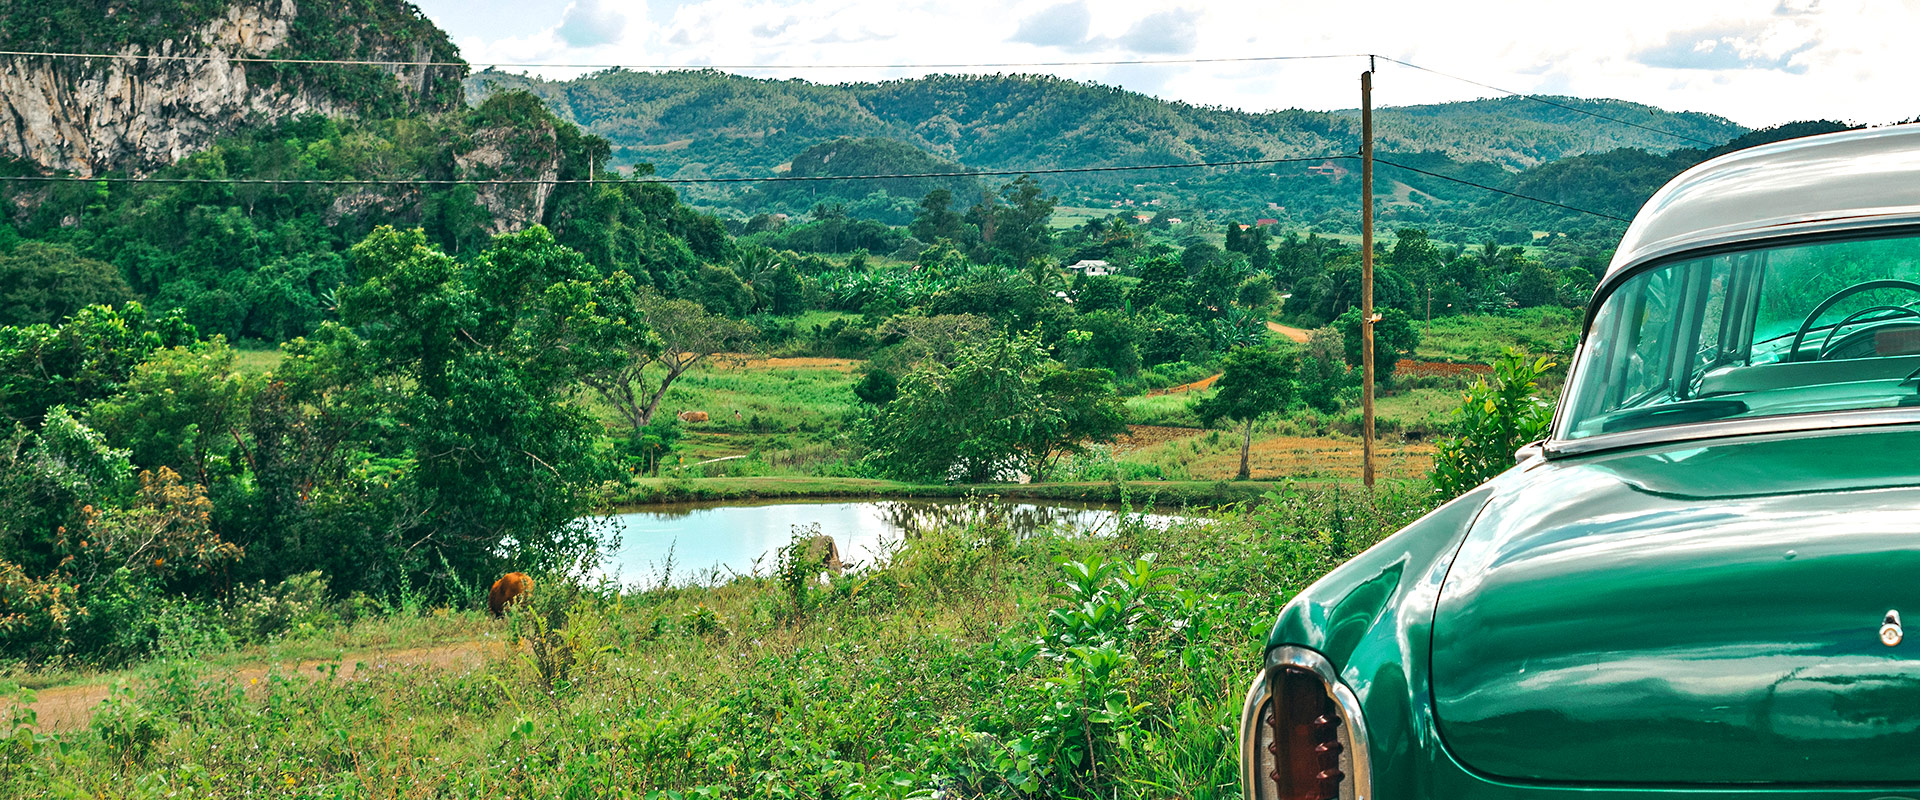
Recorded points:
1694,587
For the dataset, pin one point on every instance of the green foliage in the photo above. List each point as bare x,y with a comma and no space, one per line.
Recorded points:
1000,406
1254,382
1394,337
84,359
877,387
1324,375
47,283
490,350
733,126
867,155
648,446
1494,419
965,661
568,636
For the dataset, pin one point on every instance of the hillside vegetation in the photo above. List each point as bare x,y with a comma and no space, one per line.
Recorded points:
712,124
743,125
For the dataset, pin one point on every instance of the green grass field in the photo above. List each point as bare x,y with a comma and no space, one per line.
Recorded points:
946,667
1479,339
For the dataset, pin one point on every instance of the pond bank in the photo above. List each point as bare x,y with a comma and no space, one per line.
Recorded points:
1162,494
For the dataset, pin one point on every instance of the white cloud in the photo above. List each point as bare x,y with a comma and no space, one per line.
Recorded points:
1064,25
1756,61
589,23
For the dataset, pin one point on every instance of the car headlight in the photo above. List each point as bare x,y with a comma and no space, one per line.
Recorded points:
1301,732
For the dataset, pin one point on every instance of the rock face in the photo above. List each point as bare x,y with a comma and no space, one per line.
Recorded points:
527,153
90,115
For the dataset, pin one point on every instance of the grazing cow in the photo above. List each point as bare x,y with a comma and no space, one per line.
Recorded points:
512,587
693,416
823,551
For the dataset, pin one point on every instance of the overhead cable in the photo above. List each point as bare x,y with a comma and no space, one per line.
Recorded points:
529,64
1463,181
651,179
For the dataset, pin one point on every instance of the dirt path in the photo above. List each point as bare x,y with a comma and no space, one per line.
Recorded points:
66,708
1297,334
1186,387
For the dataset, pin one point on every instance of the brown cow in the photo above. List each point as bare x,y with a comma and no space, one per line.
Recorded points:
693,416
512,587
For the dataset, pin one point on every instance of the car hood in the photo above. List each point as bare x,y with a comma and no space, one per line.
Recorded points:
1706,613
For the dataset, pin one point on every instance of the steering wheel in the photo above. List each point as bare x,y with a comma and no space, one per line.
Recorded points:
1828,345
1800,336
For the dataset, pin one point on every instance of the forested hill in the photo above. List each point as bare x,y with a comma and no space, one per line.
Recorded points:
709,123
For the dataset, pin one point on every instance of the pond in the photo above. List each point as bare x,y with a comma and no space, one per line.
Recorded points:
711,540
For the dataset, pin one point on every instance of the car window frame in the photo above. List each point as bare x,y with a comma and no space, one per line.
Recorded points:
1814,232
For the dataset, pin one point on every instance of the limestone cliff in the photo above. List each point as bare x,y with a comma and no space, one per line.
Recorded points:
135,112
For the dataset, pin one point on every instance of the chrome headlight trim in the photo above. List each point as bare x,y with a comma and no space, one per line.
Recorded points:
1355,723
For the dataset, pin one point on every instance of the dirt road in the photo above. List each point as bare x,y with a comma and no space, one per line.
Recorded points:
1297,334
66,708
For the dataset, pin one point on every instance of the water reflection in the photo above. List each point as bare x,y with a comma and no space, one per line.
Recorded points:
713,541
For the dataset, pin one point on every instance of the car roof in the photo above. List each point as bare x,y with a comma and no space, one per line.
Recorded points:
1871,176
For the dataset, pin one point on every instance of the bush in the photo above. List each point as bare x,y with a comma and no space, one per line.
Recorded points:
568,635
257,613
1494,419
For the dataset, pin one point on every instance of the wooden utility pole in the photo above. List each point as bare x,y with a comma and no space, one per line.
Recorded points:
1367,317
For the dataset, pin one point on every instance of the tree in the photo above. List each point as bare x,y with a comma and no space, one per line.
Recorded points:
673,335
181,409
1254,382
1394,337
1105,340
1081,407
1256,292
1532,285
1324,374
1098,293
646,447
489,353
1494,419
1002,405
47,283
85,359
1020,229
1163,283
877,388
937,220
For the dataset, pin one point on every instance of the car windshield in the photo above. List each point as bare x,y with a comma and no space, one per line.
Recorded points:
1828,326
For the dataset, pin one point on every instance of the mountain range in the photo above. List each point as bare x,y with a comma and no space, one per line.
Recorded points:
709,124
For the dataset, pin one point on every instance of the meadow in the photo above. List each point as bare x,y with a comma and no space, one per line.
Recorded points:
966,663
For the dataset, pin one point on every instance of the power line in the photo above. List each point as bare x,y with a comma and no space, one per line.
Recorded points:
1539,99
776,178
650,179
816,66
378,63
1463,181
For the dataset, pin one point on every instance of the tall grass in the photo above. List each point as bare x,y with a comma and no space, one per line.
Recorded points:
965,663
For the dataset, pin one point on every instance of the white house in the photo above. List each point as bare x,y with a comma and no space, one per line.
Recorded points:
1092,266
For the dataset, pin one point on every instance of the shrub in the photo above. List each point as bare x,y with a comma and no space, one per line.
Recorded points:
258,613
1494,419
568,636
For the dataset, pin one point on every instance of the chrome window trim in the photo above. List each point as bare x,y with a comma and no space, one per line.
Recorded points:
1677,250
1817,422
1354,720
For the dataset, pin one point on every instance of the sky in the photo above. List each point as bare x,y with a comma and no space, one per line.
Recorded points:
1756,62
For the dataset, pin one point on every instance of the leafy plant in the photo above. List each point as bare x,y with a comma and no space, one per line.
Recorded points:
1494,419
